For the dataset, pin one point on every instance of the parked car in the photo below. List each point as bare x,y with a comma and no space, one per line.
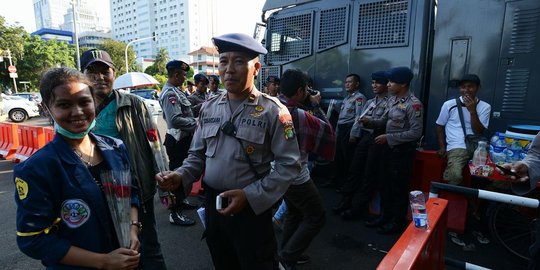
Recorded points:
150,98
31,96
18,108
146,93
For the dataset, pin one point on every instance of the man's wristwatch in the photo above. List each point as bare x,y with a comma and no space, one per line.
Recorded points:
138,224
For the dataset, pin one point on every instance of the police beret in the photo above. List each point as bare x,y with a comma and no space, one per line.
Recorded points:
215,77
399,75
470,78
379,77
272,79
200,77
238,42
91,56
177,64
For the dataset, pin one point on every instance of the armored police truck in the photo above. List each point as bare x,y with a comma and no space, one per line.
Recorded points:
440,40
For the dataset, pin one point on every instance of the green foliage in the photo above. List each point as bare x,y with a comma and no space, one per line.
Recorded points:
117,51
159,66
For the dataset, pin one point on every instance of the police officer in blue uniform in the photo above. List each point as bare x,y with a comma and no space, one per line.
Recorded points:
181,124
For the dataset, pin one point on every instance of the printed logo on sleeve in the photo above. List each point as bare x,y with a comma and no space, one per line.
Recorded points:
75,212
22,188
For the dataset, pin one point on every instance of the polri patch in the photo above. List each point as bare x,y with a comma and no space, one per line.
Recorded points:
289,131
74,212
417,110
22,188
172,99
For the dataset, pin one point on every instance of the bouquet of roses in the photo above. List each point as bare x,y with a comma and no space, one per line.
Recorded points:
117,188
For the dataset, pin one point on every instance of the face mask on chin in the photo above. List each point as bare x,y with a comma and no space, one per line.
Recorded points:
66,133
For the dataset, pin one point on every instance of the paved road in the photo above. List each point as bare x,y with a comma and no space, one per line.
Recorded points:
341,245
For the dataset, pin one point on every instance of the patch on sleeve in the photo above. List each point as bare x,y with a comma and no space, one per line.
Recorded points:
22,188
74,212
172,98
359,101
286,121
417,110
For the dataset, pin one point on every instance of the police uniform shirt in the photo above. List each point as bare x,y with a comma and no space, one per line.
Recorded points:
351,108
404,119
266,131
374,109
177,112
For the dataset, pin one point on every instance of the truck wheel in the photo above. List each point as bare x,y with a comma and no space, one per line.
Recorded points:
18,115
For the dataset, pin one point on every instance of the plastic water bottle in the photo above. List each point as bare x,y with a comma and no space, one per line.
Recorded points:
513,151
418,209
497,148
480,154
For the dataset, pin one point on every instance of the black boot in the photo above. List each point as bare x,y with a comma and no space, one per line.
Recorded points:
343,205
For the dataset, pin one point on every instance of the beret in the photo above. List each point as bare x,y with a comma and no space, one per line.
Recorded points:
91,56
238,42
379,77
200,77
470,78
399,75
215,77
272,79
177,64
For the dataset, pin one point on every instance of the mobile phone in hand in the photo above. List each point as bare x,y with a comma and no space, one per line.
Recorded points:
221,202
507,171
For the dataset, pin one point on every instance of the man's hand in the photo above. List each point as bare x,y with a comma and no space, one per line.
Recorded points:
168,180
364,120
315,99
470,103
237,201
518,168
441,152
381,139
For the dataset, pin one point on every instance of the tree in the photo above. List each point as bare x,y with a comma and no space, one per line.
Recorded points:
117,51
159,65
40,55
12,38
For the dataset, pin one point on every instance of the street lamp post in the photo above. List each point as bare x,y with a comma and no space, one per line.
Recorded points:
75,34
127,46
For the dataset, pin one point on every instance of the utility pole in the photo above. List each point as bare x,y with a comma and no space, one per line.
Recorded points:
75,34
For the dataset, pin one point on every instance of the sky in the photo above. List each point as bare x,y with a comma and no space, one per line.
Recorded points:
22,12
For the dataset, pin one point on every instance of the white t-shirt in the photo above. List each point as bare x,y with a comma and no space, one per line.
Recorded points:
449,118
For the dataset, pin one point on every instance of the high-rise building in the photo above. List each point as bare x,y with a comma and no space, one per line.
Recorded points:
180,26
58,14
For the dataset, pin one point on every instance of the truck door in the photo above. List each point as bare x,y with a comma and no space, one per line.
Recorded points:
518,76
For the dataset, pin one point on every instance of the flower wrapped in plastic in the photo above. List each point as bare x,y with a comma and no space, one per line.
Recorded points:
117,189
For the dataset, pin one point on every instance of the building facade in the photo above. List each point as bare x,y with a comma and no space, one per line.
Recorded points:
179,26
205,60
58,14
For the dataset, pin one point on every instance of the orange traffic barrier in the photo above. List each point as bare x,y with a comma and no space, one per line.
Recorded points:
421,248
49,134
429,167
9,141
30,140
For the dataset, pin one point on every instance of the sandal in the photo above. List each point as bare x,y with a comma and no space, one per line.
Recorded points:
480,237
456,240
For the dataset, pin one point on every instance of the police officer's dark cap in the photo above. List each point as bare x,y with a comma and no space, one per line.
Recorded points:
470,78
238,42
177,64
401,75
379,77
199,77
215,77
272,79
94,55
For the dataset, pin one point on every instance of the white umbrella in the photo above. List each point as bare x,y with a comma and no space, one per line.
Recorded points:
134,79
